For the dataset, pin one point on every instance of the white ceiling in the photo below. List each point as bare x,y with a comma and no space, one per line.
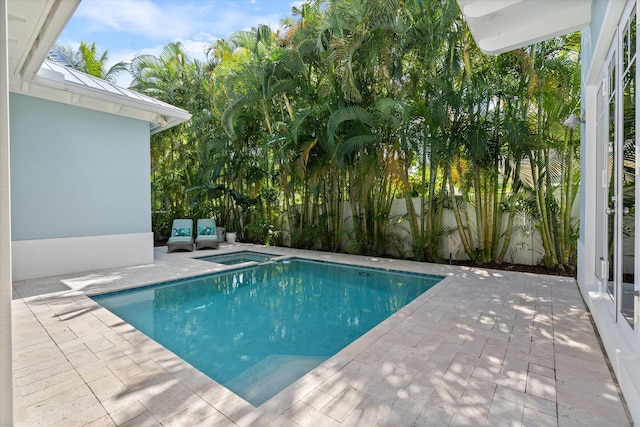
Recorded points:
502,25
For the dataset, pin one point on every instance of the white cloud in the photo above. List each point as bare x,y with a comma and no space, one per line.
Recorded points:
230,21
174,20
196,49
143,17
127,28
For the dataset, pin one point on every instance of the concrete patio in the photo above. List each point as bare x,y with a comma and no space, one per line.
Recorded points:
483,347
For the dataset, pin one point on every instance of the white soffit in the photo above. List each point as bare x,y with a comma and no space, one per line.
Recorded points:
34,26
499,26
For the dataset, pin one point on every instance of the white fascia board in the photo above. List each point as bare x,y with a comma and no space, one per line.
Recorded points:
155,127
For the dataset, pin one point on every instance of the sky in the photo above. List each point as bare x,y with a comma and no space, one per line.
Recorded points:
126,28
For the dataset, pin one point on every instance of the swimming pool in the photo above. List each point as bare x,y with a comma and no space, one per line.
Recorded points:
238,257
258,329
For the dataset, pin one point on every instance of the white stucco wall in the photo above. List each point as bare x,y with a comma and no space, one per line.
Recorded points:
80,183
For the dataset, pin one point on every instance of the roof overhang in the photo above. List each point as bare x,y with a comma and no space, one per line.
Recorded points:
499,26
34,26
72,87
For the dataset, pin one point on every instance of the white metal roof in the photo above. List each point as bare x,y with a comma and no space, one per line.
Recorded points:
502,25
67,85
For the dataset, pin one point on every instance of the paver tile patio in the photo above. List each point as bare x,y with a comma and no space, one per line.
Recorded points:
482,347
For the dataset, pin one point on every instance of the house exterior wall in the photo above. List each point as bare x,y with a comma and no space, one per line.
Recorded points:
80,190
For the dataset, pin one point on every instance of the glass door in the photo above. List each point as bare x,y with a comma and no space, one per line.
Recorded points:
620,172
627,159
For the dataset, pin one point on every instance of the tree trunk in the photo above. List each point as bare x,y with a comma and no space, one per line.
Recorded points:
511,216
456,212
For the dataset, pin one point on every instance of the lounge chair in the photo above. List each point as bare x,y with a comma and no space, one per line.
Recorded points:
181,236
207,236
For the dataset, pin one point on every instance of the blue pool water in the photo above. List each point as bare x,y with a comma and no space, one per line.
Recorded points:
258,329
238,257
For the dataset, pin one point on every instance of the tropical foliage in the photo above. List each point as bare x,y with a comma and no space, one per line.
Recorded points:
306,136
89,60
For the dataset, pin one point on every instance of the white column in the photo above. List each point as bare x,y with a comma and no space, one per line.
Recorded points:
6,352
588,190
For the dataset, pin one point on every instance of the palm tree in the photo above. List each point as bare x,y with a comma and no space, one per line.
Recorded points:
178,165
88,60
554,80
360,102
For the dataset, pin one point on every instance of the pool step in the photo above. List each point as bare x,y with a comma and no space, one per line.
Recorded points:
269,376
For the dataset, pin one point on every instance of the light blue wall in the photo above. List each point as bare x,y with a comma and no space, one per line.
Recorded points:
76,172
598,11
